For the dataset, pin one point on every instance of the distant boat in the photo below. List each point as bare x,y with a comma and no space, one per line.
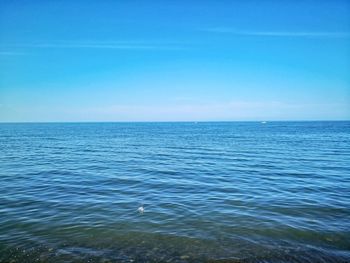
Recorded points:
263,122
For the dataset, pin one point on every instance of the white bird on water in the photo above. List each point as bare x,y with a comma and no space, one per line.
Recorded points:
141,209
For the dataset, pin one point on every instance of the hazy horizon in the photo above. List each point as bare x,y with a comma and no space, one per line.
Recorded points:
178,121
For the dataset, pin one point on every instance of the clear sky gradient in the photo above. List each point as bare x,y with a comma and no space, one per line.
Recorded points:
174,60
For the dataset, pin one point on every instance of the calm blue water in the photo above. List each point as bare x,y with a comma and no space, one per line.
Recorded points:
212,192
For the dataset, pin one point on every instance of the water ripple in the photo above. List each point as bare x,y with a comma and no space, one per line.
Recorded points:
212,192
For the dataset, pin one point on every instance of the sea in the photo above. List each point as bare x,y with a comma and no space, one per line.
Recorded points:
210,192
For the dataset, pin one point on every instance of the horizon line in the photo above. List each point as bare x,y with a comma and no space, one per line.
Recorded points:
179,121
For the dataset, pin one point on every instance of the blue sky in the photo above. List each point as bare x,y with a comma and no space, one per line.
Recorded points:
174,60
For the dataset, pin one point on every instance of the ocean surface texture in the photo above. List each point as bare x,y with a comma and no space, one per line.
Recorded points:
212,192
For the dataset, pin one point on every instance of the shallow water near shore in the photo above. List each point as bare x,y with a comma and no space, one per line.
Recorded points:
212,192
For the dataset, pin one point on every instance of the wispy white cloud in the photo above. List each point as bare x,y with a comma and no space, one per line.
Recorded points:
123,45
305,34
10,53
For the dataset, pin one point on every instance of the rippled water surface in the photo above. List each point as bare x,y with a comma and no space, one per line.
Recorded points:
212,192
